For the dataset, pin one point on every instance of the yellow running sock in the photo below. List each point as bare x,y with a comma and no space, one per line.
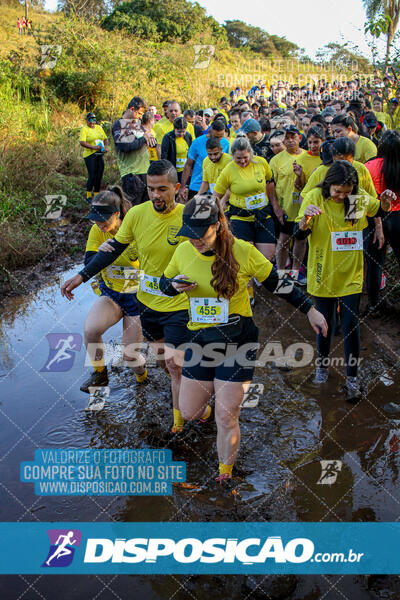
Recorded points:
178,421
141,378
89,195
99,369
225,469
204,419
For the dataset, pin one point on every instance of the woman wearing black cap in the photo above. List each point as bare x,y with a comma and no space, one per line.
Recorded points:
94,141
217,268
120,282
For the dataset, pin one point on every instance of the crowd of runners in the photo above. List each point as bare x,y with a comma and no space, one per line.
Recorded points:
290,188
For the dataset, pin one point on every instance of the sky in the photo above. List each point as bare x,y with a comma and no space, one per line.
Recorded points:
308,23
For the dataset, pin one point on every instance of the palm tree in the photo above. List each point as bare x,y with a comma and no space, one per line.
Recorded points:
389,8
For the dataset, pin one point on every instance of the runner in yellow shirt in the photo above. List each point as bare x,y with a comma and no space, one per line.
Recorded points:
288,197
214,163
344,126
95,143
217,268
175,145
118,288
333,217
153,225
162,127
247,178
377,105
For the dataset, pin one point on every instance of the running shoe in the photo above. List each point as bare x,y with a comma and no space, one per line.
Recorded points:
321,375
352,391
97,379
301,279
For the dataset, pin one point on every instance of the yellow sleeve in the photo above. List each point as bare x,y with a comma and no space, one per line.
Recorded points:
94,240
258,266
268,171
373,206
172,268
366,182
190,130
83,134
307,200
103,133
205,176
223,181
313,181
273,167
125,234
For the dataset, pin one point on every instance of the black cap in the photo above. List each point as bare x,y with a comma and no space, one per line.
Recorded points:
199,213
291,129
370,121
90,116
101,213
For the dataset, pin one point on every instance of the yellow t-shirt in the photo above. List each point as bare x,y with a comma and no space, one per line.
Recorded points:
309,164
189,261
182,150
122,275
156,241
282,168
365,149
333,273
90,135
384,118
244,182
211,171
162,127
364,179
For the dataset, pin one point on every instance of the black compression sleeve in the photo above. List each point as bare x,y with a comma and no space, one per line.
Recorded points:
381,212
296,298
167,288
101,260
299,234
88,256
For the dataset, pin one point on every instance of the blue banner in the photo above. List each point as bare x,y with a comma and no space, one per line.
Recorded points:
199,548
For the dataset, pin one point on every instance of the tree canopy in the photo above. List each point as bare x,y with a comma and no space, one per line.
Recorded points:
241,35
163,21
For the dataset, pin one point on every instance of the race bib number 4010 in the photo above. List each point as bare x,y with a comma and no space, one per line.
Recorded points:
346,240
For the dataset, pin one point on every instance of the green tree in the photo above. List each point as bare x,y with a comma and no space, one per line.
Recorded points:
241,35
383,17
162,21
343,56
95,9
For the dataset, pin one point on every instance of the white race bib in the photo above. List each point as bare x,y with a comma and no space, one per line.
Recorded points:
180,163
257,201
346,240
150,285
209,310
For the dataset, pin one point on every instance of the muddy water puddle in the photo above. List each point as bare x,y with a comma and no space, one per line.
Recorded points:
305,454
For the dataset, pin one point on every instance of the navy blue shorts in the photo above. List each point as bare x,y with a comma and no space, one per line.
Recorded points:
170,326
257,232
127,302
232,358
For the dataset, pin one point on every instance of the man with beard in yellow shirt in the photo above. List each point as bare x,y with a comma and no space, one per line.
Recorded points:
163,127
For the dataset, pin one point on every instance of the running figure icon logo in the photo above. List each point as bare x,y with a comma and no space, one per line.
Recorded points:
330,471
62,547
202,56
62,351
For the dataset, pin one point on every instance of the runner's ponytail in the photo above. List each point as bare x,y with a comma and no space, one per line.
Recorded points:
225,267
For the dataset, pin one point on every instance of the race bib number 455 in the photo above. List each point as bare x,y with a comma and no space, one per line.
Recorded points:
150,284
346,240
209,310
